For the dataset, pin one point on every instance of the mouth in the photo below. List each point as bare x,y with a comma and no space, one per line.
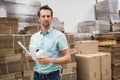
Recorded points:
46,24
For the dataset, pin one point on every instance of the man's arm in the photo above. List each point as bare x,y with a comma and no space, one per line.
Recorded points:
66,58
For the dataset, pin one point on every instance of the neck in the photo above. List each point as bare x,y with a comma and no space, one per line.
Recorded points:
44,29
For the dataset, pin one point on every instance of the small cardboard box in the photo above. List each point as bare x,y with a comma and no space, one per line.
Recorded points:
86,47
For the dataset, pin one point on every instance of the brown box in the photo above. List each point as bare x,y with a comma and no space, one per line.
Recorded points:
68,76
9,51
70,38
9,30
67,68
88,65
26,39
12,76
8,26
17,38
10,41
31,29
3,69
7,77
2,59
105,65
14,66
94,66
86,77
28,74
86,47
13,57
105,61
14,63
6,41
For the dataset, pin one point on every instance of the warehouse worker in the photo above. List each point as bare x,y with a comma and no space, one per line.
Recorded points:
53,43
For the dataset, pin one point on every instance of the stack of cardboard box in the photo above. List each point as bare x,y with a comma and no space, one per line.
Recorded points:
31,29
91,64
12,59
8,25
70,40
110,43
69,70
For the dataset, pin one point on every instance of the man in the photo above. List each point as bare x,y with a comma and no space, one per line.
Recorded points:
53,43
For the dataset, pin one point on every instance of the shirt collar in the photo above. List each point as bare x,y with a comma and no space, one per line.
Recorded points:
49,31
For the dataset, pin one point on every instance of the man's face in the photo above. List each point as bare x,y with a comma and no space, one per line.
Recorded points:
45,18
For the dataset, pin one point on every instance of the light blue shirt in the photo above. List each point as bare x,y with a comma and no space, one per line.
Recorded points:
52,42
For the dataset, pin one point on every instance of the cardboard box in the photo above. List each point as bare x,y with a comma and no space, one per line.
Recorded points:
28,74
88,65
105,65
86,77
31,29
94,66
68,76
9,51
105,61
10,41
86,47
67,68
70,38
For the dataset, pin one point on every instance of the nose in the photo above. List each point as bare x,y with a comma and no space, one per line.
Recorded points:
46,17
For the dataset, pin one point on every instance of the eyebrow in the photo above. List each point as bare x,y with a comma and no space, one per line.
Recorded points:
46,15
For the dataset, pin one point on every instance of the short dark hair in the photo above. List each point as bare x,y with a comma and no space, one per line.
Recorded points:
45,7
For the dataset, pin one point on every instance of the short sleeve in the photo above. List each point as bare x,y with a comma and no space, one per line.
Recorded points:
62,42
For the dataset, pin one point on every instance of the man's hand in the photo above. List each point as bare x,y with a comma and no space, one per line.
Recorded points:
28,56
43,60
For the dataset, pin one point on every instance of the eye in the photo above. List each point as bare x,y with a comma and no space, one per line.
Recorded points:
43,16
48,16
